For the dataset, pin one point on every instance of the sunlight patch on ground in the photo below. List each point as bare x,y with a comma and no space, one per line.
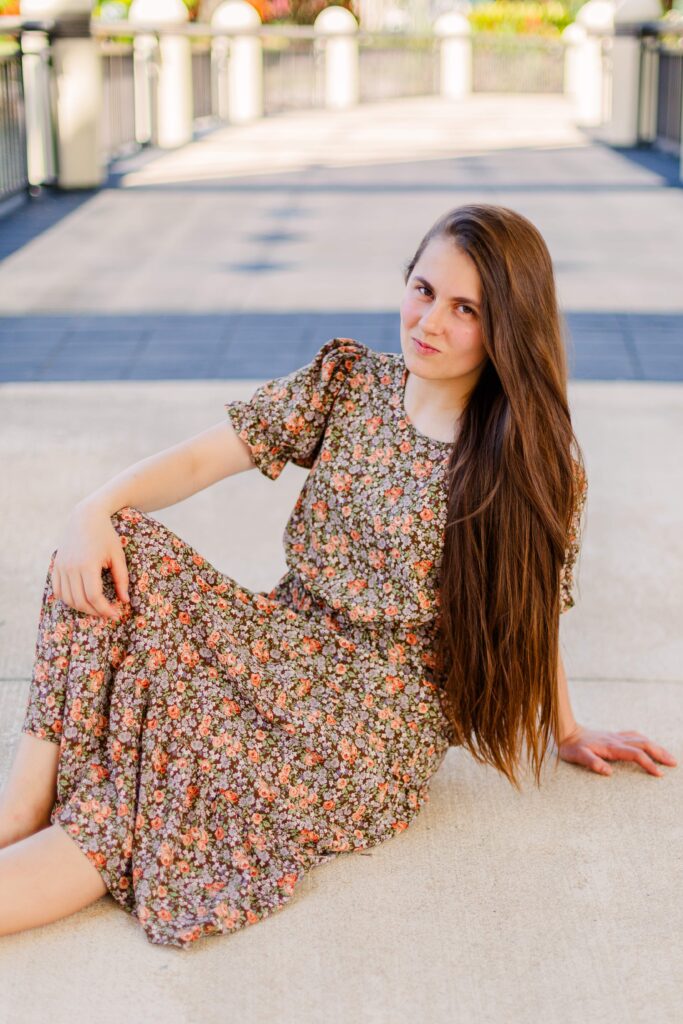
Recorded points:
406,131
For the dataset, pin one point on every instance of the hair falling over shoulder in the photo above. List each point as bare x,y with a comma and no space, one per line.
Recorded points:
514,481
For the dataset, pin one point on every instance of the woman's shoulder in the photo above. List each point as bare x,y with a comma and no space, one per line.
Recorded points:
356,355
351,347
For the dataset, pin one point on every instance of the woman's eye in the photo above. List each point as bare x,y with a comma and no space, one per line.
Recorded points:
423,288
467,309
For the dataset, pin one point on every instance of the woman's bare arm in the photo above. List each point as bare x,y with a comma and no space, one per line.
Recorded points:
90,542
567,720
175,473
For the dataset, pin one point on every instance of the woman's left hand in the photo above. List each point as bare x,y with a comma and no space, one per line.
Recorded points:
594,748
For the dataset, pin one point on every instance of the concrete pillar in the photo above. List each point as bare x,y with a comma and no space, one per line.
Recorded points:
574,39
237,63
455,33
596,18
145,87
649,79
41,136
337,27
74,94
621,125
174,81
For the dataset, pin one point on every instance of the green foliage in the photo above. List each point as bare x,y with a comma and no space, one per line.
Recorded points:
521,17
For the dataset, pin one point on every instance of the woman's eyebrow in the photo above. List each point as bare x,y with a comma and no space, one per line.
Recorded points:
456,298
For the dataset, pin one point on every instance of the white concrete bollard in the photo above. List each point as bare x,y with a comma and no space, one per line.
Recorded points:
237,63
336,26
592,86
573,38
77,71
621,126
41,149
455,33
144,50
174,86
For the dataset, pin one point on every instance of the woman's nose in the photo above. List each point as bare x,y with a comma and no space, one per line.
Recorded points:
432,320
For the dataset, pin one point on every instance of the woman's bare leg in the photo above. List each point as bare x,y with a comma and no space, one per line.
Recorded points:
29,794
43,878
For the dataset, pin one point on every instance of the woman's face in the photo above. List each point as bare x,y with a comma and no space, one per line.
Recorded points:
441,307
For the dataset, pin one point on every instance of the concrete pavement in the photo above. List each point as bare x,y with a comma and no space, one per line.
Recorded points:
239,255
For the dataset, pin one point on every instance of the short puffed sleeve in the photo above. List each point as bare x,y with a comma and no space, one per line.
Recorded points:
573,541
285,418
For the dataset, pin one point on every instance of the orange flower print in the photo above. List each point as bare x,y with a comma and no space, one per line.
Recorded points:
156,658
310,645
95,680
423,567
392,494
260,650
348,750
188,655
342,482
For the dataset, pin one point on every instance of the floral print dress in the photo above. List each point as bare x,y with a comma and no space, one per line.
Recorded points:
217,743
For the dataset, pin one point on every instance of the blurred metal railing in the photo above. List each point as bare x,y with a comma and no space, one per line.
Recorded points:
118,114
661,85
13,167
517,63
292,69
390,65
201,78
393,64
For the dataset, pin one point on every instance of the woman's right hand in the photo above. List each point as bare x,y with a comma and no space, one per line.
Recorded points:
88,545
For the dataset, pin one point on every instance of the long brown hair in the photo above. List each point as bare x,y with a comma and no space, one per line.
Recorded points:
512,488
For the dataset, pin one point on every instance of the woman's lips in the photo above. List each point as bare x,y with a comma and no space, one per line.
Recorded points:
426,349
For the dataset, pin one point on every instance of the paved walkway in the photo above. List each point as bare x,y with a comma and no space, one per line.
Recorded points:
547,907
237,256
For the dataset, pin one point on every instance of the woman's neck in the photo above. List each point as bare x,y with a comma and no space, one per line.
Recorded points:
435,406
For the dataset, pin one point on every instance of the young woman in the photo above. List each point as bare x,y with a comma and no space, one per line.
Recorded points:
193,747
